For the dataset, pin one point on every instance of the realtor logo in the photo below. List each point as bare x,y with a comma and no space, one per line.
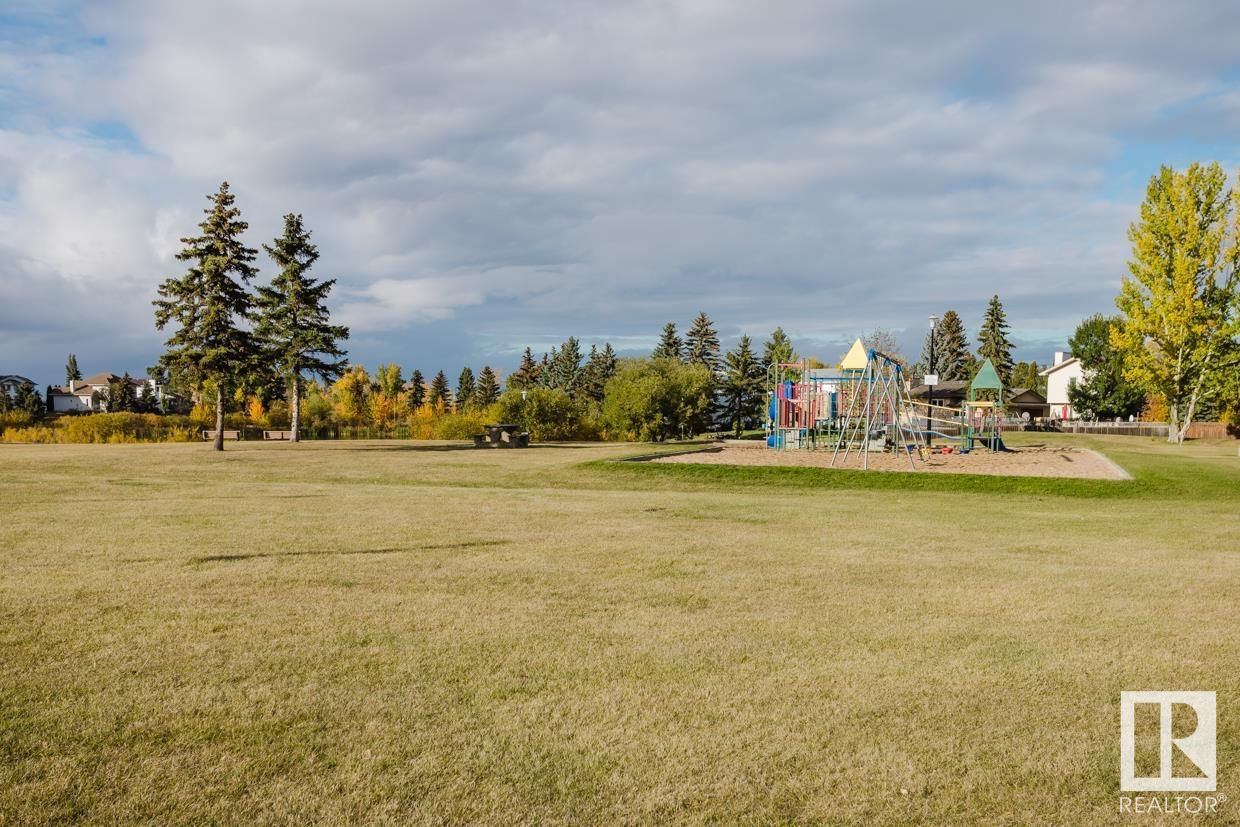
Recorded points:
1186,745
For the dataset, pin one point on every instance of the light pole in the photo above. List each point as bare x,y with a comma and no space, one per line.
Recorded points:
932,379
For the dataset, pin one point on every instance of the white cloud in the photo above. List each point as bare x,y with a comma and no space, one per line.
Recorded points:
527,171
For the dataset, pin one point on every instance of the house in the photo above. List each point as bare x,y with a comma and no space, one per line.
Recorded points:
1026,403
1059,376
10,382
79,395
951,393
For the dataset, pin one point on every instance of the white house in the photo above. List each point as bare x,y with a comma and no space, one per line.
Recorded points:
79,395
1058,377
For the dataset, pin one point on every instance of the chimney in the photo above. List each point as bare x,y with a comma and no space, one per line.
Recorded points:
71,383
1059,357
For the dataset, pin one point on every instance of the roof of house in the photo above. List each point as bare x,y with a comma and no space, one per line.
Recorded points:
13,378
1061,365
1015,394
950,387
83,387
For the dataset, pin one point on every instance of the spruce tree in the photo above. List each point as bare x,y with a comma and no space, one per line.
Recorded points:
526,376
670,346
702,343
487,392
208,304
440,395
293,322
742,386
417,390
993,341
953,360
26,398
778,350
465,389
72,374
121,396
564,367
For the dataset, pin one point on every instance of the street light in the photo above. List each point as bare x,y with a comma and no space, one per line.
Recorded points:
932,379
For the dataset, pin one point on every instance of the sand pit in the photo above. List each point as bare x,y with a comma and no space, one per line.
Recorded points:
1077,463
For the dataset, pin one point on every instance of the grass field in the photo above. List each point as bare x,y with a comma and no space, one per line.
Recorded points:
404,632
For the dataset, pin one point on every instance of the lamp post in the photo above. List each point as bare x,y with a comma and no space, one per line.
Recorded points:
932,379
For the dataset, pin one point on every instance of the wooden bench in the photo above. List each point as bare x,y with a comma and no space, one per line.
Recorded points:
210,435
277,434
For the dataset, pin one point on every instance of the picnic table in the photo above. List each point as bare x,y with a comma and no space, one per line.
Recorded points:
502,435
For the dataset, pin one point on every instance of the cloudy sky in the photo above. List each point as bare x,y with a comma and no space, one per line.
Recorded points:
483,176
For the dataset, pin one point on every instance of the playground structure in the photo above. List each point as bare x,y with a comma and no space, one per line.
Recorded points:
864,405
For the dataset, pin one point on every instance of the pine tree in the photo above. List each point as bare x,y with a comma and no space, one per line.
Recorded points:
702,343
417,390
526,376
72,374
440,395
207,305
670,346
778,350
564,367
993,342
293,321
487,392
600,366
26,398
121,395
465,389
742,387
953,359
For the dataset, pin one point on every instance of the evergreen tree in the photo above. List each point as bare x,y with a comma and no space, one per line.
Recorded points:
778,350
953,360
600,366
417,390
465,389
670,346
6,402
208,303
72,374
121,396
146,399
440,395
993,341
27,398
742,387
488,389
702,343
293,321
526,376
564,368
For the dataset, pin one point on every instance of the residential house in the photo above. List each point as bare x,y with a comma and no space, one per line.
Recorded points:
1025,403
1059,376
10,382
80,395
951,393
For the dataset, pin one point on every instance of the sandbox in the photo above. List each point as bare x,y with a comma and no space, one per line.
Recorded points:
1076,463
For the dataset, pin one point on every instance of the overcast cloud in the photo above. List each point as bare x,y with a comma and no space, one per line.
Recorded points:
483,176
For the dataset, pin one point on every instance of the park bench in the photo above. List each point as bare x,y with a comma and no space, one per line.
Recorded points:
277,435
502,436
210,435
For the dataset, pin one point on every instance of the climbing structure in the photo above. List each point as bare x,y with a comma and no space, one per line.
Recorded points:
859,407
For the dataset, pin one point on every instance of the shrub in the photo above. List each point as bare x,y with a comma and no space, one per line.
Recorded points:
655,399
110,428
549,414
461,425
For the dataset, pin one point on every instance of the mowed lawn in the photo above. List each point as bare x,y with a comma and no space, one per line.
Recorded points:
415,633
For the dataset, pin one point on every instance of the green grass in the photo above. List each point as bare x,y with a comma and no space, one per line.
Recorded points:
402,632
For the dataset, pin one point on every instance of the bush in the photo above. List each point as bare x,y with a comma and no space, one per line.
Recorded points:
107,428
549,414
461,425
650,400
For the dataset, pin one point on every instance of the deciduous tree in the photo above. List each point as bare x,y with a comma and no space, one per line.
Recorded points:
1177,335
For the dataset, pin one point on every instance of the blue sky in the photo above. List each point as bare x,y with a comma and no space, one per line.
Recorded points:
482,176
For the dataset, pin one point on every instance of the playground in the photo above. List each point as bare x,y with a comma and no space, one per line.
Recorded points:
1024,461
